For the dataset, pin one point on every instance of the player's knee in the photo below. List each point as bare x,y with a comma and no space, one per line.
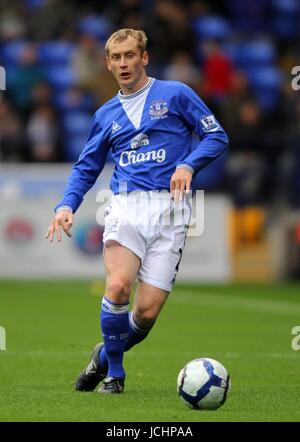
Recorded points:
118,289
145,317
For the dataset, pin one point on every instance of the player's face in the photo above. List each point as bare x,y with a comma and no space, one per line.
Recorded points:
127,64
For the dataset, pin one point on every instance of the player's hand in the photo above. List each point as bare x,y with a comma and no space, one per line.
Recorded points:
63,219
180,183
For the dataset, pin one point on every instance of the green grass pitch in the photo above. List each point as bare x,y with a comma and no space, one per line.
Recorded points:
52,326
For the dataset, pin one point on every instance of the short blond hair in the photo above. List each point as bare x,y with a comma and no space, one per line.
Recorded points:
123,34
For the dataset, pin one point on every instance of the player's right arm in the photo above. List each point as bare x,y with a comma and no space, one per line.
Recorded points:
84,175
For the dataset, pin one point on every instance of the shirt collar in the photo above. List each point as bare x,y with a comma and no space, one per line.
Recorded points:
140,91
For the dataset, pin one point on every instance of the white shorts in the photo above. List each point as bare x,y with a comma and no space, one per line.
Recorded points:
154,228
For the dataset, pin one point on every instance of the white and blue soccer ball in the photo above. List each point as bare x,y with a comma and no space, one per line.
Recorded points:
203,384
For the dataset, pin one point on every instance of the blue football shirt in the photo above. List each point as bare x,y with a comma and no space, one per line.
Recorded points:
148,134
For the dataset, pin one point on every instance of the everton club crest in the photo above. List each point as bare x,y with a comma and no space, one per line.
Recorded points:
158,109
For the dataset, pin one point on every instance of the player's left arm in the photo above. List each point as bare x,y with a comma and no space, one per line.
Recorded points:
213,140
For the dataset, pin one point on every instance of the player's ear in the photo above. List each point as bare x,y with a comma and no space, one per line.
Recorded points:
145,58
108,63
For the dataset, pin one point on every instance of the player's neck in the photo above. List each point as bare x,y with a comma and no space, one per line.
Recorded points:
138,86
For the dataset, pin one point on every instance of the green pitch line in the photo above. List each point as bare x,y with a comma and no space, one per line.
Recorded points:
52,326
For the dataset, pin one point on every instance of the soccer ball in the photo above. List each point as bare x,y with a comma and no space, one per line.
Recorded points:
203,384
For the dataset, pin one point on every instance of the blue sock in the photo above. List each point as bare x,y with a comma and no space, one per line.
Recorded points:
136,334
114,325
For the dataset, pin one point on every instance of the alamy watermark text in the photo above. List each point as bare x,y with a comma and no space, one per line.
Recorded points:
2,79
2,338
296,79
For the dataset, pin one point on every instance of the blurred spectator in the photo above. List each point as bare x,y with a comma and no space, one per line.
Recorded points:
90,66
11,134
42,134
246,135
247,166
181,68
168,30
246,174
11,24
86,60
132,20
240,93
119,10
22,79
217,72
42,94
53,20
